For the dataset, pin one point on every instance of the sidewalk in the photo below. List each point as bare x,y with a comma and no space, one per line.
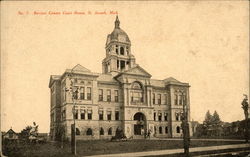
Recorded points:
174,151
197,139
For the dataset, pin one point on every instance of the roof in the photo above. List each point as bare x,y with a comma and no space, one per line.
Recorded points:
106,78
157,83
81,68
137,70
171,79
10,131
53,78
114,36
116,32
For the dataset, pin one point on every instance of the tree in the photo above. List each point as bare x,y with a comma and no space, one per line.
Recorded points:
212,125
216,124
207,123
208,119
25,132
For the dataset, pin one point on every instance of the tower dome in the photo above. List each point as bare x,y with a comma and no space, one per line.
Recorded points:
118,35
118,51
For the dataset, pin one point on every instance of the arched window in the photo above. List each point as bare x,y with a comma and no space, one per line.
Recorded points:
136,93
178,129
166,130
110,131
89,131
118,132
77,131
122,50
101,131
160,130
116,49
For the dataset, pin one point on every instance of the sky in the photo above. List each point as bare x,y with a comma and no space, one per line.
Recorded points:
203,43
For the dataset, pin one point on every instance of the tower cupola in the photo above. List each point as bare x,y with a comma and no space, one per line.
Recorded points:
118,51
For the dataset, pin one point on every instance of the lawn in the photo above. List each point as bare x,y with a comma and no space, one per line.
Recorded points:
53,149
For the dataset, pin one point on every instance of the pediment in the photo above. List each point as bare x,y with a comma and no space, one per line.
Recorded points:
137,70
79,67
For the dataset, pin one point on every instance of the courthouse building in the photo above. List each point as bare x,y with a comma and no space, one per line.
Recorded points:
123,97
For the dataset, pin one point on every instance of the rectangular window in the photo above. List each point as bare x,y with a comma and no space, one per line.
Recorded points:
109,95
159,116
160,130
166,130
100,115
116,95
100,95
184,100
117,63
177,116
76,114
122,64
165,116
83,115
89,114
159,99
137,97
154,116
176,99
180,99
82,111
117,115
153,98
89,93
108,115
82,93
166,99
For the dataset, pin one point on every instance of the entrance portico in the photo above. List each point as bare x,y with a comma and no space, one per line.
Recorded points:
140,126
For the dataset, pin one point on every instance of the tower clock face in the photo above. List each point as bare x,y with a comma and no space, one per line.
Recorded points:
121,38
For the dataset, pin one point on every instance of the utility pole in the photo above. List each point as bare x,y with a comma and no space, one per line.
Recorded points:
185,129
74,96
74,92
245,106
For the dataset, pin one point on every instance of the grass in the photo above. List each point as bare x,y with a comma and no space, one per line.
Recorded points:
53,149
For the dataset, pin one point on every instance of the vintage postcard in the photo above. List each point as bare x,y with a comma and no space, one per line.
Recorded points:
125,78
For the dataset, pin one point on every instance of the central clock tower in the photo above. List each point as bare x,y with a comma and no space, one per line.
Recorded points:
118,51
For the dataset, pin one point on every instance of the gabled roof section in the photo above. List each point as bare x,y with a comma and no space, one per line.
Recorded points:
53,78
81,68
137,70
10,131
171,79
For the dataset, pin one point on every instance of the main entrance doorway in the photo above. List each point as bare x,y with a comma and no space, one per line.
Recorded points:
140,126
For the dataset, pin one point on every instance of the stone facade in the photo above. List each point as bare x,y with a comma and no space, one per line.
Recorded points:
123,96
